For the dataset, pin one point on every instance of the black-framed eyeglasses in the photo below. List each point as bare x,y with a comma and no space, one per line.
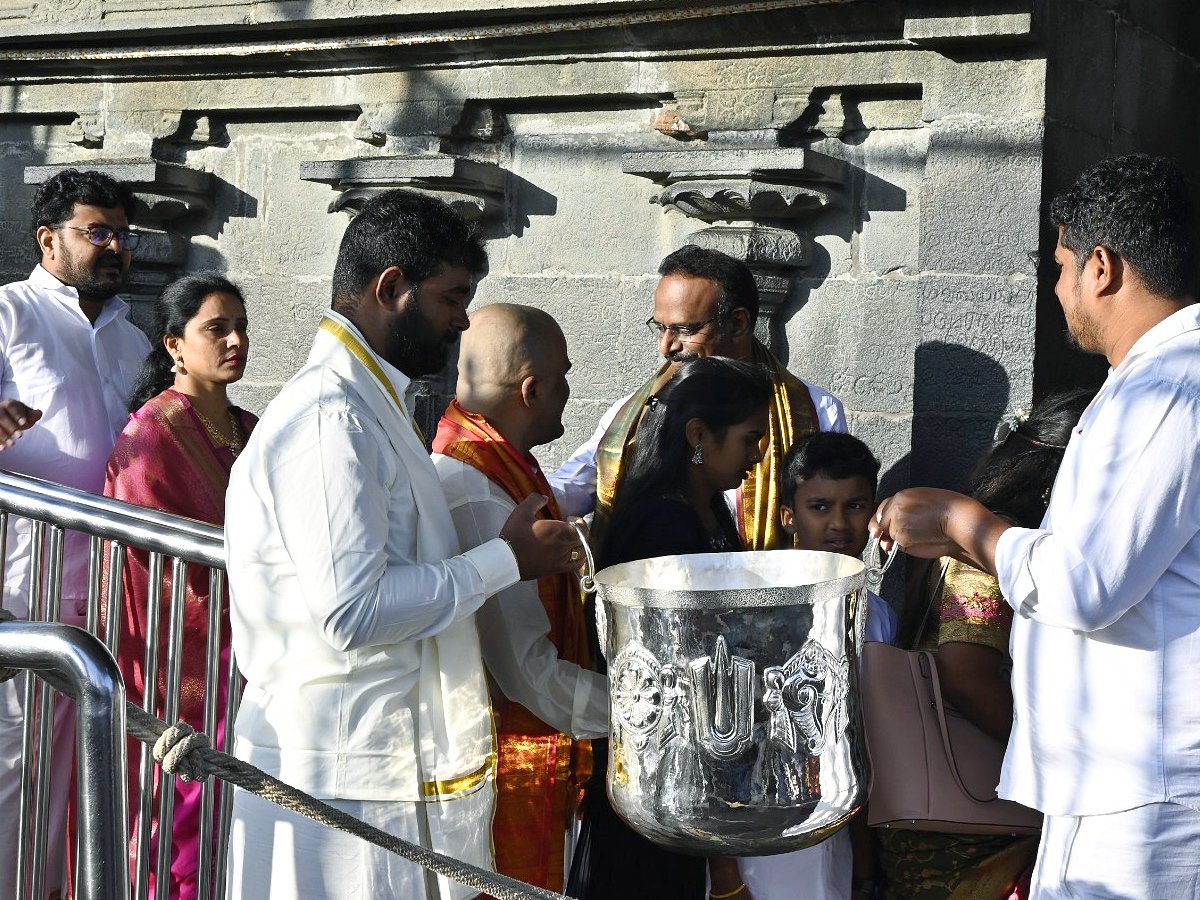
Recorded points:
688,329
102,235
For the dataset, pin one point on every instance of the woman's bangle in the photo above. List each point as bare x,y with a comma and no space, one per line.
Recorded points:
737,890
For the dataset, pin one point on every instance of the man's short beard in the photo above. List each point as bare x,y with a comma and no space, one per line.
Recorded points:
87,281
412,345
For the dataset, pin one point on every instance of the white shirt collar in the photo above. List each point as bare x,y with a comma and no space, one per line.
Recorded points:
114,308
399,380
1180,321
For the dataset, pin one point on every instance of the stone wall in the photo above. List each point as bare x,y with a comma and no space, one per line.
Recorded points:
879,164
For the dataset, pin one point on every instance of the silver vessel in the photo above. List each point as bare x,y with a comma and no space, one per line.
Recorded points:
734,714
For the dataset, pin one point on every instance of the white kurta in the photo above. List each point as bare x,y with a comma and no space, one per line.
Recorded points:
1106,636
79,374
351,610
513,626
824,871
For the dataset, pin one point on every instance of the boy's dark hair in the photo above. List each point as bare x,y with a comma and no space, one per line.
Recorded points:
55,199
732,276
831,454
402,228
1137,207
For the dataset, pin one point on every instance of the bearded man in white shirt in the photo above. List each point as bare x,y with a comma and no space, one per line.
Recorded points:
1106,636
512,387
68,359
706,304
352,605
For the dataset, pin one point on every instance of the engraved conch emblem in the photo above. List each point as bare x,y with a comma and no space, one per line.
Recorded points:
781,769
637,695
723,701
811,687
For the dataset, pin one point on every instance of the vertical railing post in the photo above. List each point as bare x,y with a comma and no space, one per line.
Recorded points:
78,664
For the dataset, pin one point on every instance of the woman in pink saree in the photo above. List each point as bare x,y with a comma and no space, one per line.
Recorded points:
175,455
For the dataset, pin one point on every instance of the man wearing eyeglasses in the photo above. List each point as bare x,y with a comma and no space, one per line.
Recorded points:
706,304
68,359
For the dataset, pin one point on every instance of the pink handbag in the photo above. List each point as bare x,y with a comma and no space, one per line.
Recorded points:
932,769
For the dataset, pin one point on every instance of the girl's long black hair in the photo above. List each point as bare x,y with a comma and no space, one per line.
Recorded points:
174,307
720,392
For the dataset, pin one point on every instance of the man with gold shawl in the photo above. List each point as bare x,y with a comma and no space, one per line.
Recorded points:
706,304
352,604
512,387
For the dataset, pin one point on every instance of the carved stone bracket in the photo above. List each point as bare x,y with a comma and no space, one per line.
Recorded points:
169,198
741,184
478,190
761,196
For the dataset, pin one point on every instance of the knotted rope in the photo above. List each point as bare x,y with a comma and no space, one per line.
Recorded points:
179,749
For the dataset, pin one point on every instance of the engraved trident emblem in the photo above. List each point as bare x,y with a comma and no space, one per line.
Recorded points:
723,701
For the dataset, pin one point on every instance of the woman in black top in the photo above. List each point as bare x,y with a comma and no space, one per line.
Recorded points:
699,437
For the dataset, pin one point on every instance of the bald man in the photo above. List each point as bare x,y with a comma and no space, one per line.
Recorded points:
512,387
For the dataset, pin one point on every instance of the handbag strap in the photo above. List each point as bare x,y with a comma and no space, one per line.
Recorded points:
934,596
939,706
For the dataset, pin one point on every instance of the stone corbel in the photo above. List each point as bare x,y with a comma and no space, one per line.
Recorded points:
478,190
87,130
753,200
777,183
170,197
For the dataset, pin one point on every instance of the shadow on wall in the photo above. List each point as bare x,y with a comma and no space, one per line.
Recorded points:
959,396
864,193
19,148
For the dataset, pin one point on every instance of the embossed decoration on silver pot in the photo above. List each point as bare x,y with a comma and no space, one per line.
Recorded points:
637,694
781,768
723,701
814,689
681,782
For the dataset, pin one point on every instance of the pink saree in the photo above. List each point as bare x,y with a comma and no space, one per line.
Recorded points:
164,459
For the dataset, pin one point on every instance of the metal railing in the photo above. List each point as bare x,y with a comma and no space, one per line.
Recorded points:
113,528
79,666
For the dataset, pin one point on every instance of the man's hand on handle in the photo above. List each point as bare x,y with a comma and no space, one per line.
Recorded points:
15,417
542,546
930,522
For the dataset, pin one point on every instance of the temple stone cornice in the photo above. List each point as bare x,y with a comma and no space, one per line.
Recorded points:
478,190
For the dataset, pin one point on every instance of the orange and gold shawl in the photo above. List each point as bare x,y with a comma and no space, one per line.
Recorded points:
540,770
792,416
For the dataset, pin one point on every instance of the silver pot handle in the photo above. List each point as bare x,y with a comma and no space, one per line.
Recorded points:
587,581
587,584
876,570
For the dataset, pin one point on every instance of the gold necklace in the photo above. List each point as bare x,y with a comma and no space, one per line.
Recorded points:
235,444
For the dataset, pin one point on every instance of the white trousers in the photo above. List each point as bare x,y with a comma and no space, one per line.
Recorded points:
1151,852
12,720
820,872
275,854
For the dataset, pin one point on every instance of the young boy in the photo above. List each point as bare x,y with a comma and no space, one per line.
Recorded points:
829,486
